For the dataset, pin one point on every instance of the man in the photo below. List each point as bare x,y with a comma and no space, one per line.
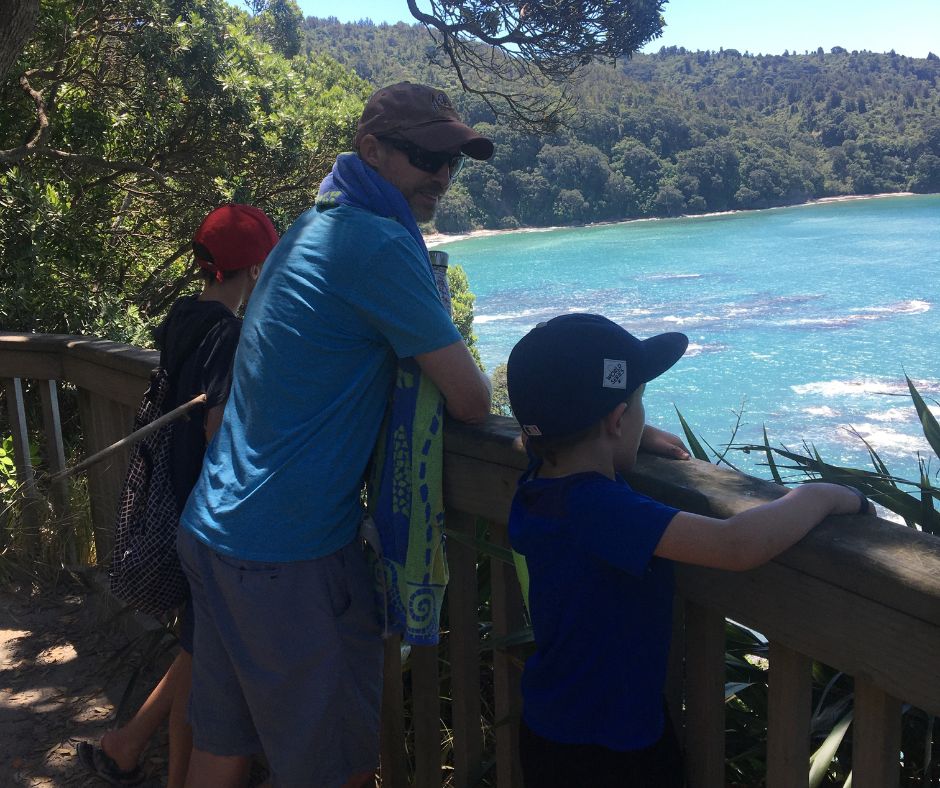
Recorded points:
288,657
197,343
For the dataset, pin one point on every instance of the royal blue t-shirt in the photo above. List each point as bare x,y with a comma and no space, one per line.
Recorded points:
601,609
342,296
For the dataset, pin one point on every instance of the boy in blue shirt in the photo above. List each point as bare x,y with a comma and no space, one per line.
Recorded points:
600,555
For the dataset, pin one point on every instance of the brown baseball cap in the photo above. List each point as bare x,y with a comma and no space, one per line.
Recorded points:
422,115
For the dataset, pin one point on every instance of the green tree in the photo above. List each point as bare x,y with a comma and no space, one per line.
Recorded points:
118,136
461,301
279,23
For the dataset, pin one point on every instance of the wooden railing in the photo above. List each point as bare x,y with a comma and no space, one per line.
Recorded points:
859,594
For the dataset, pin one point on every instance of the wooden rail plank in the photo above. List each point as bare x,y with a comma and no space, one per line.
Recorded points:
506,604
788,717
426,702
25,365
855,634
704,723
876,737
109,384
393,758
464,652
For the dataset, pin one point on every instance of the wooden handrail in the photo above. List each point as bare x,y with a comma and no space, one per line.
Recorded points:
858,593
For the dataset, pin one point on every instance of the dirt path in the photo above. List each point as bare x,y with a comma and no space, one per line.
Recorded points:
62,674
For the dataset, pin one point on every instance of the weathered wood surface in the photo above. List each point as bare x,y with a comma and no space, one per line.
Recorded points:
29,500
464,648
393,756
788,718
506,605
876,736
704,722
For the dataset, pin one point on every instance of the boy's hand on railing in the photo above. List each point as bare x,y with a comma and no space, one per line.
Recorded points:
665,444
844,498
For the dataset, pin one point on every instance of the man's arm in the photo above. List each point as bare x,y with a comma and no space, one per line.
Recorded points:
465,388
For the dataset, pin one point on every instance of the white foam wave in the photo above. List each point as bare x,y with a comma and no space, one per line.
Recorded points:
653,277
849,388
912,307
886,440
690,319
892,414
823,410
523,313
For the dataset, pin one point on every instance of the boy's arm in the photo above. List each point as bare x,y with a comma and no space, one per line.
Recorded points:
753,537
665,444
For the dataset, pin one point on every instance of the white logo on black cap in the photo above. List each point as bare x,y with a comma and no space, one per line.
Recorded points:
615,373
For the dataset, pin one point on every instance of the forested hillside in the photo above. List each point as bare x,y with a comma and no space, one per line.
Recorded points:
681,132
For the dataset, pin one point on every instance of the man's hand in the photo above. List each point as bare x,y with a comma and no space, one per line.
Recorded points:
665,444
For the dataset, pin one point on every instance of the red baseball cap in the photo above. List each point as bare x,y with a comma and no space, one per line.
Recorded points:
421,115
233,237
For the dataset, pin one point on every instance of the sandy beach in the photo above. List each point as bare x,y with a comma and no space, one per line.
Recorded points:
437,239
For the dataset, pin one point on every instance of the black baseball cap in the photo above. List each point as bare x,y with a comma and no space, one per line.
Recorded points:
568,373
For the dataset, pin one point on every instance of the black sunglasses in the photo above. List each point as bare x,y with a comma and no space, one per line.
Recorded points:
426,160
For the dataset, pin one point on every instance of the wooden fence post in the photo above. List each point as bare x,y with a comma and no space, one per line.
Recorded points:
393,761
426,716
55,458
27,495
876,737
506,604
789,709
705,696
464,652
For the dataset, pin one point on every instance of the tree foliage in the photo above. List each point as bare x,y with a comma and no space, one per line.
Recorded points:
521,57
125,122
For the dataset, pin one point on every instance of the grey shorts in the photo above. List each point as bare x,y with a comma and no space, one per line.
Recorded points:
287,661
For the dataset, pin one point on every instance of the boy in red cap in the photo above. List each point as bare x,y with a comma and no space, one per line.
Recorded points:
197,342
600,555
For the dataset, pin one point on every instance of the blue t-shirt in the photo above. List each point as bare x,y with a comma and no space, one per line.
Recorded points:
601,609
342,296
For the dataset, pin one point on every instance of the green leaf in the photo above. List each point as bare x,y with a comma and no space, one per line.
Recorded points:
732,688
519,637
482,546
819,761
770,459
927,420
694,446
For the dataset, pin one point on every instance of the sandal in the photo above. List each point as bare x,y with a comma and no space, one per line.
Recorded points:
98,762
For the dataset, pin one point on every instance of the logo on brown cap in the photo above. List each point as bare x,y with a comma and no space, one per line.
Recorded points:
440,102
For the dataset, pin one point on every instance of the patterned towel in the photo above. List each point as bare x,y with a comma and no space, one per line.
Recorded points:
406,502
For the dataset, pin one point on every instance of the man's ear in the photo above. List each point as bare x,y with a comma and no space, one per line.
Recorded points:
370,150
613,421
254,272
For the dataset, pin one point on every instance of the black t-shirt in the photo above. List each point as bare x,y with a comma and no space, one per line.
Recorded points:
197,343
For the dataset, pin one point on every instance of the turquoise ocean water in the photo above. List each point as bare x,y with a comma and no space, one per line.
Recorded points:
803,319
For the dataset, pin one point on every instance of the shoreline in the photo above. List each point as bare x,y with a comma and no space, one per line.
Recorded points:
434,240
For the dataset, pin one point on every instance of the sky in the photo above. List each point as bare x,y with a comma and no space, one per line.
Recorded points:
909,27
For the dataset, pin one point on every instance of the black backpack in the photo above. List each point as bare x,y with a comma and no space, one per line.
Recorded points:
145,571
